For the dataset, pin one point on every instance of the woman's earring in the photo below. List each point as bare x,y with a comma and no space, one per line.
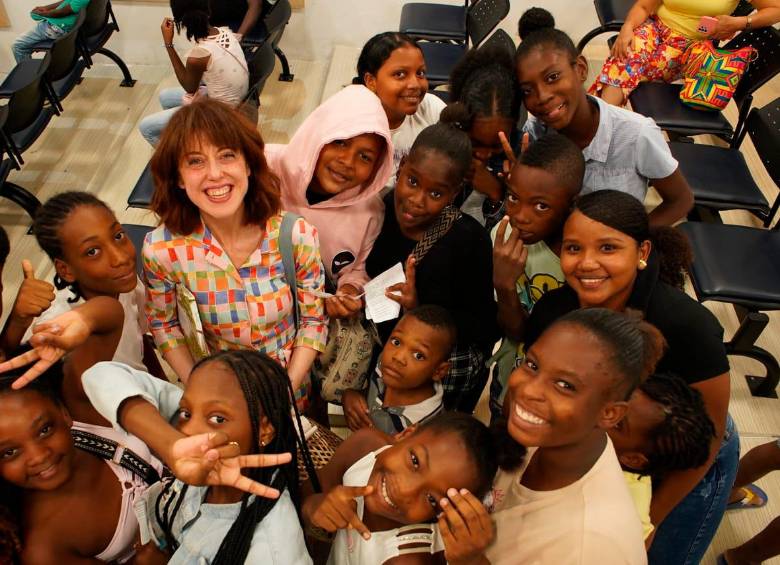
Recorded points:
642,264
262,443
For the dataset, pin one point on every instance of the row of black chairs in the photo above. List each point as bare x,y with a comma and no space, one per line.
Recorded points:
734,264
35,88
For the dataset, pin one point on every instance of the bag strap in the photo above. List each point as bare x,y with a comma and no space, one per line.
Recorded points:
288,259
436,231
110,450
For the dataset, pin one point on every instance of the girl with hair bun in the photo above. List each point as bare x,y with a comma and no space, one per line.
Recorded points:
485,103
391,65
611,258
217,61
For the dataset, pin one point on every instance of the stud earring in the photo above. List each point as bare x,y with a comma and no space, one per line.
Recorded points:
262,443
642,264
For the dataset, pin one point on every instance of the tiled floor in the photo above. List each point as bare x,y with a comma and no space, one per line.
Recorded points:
95,146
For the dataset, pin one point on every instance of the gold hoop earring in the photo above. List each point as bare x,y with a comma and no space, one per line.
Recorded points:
642,264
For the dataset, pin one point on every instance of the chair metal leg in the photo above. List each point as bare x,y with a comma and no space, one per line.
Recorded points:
128,81
285,75
590,35
21,196
744,343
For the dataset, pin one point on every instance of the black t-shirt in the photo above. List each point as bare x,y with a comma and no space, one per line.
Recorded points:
694,337
227,12
456,273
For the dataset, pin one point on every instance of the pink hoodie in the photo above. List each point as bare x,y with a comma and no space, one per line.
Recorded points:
349,222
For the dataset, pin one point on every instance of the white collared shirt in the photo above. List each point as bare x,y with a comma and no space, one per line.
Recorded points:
627,151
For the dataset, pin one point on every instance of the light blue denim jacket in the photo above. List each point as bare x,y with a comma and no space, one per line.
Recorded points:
198,527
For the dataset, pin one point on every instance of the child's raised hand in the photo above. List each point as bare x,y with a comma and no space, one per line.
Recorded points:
210,459
167,30
34,296
485,182
50,341
356,410
465,527
405,293
509,256
337,510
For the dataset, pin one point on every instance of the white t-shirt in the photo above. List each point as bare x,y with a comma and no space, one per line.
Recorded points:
227,75
130,349
593,521
404,135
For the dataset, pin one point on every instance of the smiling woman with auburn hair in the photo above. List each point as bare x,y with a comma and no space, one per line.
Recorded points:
220,222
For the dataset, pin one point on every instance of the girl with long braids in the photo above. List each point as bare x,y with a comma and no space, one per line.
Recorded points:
244,395
216,62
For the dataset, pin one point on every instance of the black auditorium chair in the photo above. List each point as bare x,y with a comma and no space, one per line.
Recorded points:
661,102
27,117
741,266
260,61
720,177
500,40
611,15
137,233
434,22
67,63
483,16
270,29
141,196
99,25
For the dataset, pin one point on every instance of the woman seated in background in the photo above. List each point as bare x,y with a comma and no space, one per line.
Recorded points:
219,210
215,67
656,34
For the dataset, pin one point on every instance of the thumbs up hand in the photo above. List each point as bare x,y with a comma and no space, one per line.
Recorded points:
34,296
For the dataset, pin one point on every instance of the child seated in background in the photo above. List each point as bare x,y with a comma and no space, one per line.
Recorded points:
382,497
93,256
406,387
53,21
527,242
666,428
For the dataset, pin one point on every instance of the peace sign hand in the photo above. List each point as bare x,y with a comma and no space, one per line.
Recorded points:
405,293
209,459
337,510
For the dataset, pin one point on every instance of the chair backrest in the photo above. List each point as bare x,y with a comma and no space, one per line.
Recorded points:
612,11
766,65
65,52
96,17
500,40
276,19
763,127
483,16
29,95
261,64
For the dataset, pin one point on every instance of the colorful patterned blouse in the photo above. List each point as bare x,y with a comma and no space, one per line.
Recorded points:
249,307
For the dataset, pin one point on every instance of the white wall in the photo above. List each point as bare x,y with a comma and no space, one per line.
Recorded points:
310,35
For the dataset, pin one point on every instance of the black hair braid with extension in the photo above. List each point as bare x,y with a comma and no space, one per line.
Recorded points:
377,50
624,213
193,15
482,85
448,139
682,440
49,220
